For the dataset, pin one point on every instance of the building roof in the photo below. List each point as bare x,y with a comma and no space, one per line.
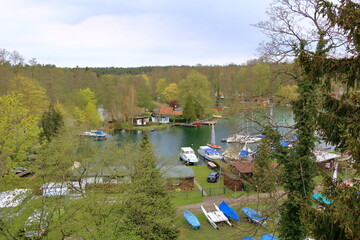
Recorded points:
244,167
179,171
247,167
169,111
322,156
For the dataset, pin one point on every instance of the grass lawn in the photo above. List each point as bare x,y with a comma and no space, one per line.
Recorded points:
201,174
238,231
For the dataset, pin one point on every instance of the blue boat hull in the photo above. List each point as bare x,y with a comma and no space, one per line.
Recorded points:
228,211
191,219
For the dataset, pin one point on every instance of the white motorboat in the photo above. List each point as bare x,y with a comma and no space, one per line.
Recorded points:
97,134
209,153
187,155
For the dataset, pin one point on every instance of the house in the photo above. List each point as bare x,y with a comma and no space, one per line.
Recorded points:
179,177
160,119
163,114
141,121
244,169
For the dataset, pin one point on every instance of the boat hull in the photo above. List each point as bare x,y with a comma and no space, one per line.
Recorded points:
191,219
228,211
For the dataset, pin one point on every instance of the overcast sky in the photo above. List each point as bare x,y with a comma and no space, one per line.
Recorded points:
132,33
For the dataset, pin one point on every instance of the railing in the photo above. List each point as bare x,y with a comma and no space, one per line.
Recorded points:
213,191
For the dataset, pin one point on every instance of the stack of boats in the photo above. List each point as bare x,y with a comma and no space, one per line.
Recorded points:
223,213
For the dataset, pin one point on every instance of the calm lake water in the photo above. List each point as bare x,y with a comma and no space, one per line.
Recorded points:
167,142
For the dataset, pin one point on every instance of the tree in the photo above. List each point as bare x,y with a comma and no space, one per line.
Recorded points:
289,38
149,213
34,95
86,111
51,123
171,92
160,87
265,174
19,133
194,92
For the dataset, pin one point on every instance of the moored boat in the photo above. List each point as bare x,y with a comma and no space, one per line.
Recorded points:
209,153
187,155
191,219
97,134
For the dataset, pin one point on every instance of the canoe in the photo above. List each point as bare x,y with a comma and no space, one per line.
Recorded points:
252,215
191,219
228,211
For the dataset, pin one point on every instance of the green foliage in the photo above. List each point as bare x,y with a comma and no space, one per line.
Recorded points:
160,87
51,123
265,175
34,95
86,112
171,92
149,213
19,133
194,92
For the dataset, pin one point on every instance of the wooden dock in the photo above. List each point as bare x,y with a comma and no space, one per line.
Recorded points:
206,122
186,125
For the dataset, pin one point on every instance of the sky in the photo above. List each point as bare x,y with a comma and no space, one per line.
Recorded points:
132,33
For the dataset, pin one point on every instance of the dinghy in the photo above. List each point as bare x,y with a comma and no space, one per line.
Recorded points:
253,216
228,211
191,219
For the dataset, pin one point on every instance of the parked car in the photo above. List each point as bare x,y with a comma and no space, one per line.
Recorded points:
213,177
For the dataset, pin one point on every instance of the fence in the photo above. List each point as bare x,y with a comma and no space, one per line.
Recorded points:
213,191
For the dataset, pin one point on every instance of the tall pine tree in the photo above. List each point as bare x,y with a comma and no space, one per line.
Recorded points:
149,212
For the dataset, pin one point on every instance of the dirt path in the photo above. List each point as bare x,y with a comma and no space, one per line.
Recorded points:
243,200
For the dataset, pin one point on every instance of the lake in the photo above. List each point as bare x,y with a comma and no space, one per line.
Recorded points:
167,142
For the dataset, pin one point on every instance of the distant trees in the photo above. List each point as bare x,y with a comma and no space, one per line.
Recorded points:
52,123
86,112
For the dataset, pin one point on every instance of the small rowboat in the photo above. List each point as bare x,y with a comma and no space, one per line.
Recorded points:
214,146
228,211
191,219
212,165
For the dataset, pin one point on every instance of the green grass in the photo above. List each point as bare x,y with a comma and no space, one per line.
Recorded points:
186,197
201,174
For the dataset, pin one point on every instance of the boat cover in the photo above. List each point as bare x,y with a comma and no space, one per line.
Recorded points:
228,211
268,237
251,213
248,237
210,150
191,219
320,198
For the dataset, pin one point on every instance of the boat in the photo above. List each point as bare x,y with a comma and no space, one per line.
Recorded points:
209,153
228,211
246,153
215,216
212,143
253,216
320,198
97,134
239,138
188,155
248,237
191,219
268,237
212,165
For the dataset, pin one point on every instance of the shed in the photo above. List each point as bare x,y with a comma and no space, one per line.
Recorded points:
141,121
179,177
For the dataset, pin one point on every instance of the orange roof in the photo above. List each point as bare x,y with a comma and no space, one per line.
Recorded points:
169,111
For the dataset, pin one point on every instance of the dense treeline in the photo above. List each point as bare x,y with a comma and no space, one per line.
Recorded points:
125,92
